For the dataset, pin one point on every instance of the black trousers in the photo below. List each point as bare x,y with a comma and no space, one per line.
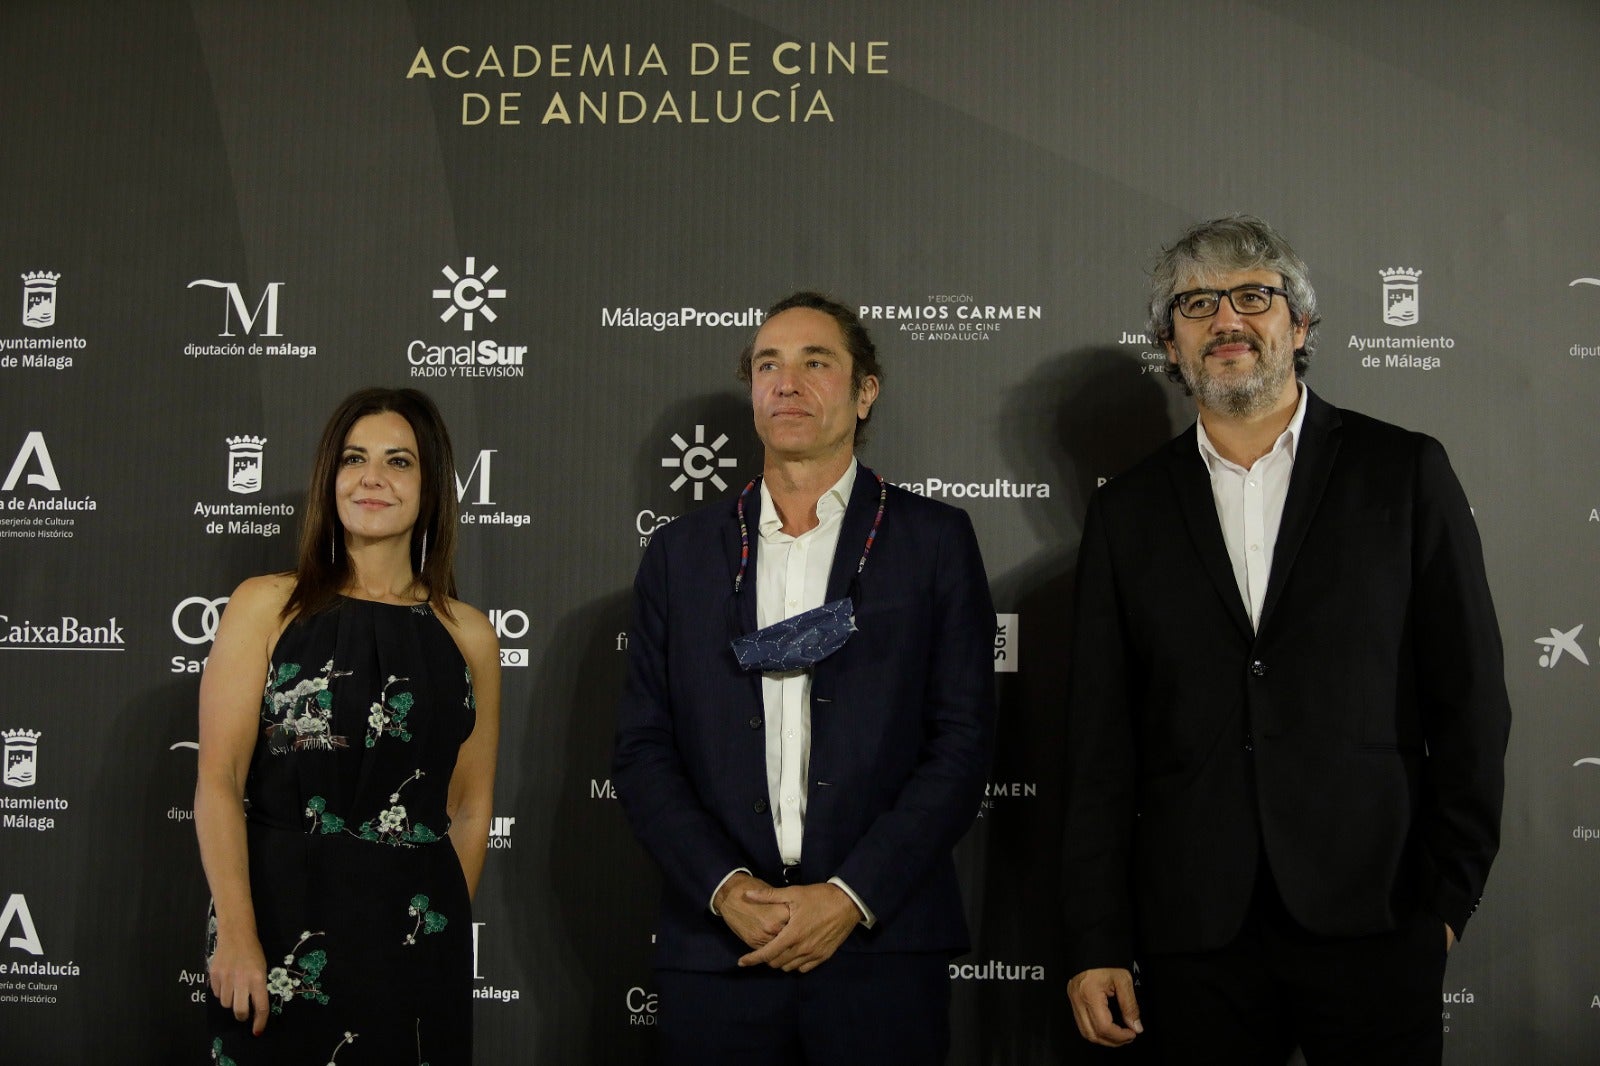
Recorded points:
871,1009
1363,1001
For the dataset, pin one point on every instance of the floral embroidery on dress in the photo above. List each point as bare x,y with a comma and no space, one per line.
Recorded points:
388,713
349,1038
298,977
428,921
218,1057
471,699
394,826
300,717
322,818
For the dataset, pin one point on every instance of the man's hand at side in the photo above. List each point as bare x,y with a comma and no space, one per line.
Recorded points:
1091,992
820,917
754,923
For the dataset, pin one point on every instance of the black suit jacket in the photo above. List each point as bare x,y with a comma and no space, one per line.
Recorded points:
1355,742
902,721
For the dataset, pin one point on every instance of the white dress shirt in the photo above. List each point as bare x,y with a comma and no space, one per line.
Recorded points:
1250,506
792,578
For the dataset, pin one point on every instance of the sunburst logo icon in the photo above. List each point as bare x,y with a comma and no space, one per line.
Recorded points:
698,462
469,294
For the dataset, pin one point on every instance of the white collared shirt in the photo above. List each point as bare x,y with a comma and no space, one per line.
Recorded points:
1250,506
792,578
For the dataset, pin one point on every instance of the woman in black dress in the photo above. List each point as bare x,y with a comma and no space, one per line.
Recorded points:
349,716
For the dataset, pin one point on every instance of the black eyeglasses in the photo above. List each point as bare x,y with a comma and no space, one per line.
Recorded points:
1246,299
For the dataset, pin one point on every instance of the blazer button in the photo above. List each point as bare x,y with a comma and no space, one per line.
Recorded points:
759,806
1258,668
756,722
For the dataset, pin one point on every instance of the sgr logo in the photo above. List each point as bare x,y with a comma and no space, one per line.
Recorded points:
195,620
1005,643
510,625
234,304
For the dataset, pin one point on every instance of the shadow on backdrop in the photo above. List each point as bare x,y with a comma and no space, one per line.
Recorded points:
1085,415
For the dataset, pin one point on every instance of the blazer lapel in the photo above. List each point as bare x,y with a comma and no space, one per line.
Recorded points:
1313,462
1192,483
859,513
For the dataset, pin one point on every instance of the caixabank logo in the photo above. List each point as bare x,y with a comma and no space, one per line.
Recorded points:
60,633
468,309
34,504
36,348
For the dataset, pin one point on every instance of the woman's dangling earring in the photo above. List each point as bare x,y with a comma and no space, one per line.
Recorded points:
333,550
424,564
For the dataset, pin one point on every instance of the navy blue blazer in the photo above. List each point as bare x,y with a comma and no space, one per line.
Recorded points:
902,721
1354,741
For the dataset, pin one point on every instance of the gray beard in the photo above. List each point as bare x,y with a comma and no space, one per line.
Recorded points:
1241,399
1254,395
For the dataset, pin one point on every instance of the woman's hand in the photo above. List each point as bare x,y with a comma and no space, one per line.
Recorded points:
239,979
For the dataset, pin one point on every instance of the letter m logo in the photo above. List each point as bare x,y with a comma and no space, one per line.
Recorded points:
480,470
235,305
17,908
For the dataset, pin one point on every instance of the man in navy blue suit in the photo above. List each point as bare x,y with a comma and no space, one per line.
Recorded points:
806,730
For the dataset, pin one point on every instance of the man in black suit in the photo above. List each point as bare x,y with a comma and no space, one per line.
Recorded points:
1287,710
802,795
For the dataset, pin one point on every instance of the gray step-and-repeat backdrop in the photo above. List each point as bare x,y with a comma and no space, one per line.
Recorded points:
219,218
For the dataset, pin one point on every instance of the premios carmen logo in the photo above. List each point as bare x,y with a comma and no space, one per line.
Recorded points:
246,465
32,351
698,463
245,326
35,812
38,496
468,303
944,317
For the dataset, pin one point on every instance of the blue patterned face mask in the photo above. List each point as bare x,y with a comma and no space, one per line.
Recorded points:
798,643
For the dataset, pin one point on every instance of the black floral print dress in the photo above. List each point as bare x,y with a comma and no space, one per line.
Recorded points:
361,906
